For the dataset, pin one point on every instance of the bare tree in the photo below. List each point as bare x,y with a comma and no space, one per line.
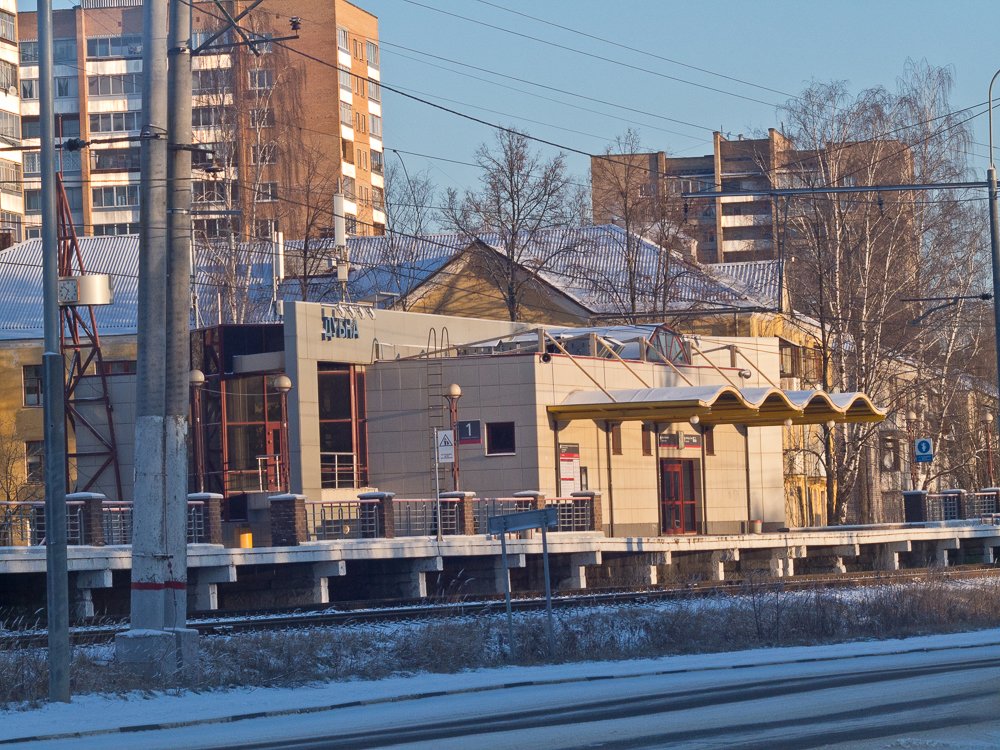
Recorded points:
859,256
521,194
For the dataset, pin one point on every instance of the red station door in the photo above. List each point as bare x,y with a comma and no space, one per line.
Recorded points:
677,500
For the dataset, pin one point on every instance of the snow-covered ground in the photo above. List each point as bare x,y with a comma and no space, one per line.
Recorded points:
203,719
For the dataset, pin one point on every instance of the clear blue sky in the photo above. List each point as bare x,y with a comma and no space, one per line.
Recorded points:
777,44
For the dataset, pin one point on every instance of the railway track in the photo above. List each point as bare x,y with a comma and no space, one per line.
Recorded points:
354,613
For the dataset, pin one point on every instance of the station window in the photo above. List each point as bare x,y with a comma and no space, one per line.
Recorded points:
500,439
34,461
32,385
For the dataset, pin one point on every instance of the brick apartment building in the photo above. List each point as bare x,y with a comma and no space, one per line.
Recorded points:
286,128
736,228
11,187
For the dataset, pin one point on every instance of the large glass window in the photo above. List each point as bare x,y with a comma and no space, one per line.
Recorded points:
115,159
32,379
342,426
116,196
34,461
500,439
8,27
126,83
128,45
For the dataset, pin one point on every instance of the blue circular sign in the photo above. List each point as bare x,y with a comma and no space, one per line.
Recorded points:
923,446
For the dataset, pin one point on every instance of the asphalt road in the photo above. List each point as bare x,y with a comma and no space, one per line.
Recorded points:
951,695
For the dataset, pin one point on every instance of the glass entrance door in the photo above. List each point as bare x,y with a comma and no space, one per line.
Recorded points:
677,498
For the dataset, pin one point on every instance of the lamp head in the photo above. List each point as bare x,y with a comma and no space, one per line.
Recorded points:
454,391
281,383
196,378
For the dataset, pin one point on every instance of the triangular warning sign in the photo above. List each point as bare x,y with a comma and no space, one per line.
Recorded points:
445,440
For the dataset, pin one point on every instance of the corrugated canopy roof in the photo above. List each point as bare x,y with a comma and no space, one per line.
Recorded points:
719,404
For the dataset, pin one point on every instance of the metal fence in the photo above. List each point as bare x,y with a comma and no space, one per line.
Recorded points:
23,523
573,513
485,507
116,522
951,505
418,517
347,519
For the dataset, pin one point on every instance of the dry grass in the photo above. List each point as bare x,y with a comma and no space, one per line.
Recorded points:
761,615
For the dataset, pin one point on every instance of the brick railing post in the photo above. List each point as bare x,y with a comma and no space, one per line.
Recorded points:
288,520
596,513
386,519
212,513
92,517
466,521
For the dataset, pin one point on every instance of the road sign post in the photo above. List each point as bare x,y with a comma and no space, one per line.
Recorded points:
531,519
923,450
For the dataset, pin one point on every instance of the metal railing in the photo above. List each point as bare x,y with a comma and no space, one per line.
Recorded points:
269,473
338,470
950,505
573,513
418,517
116,522
347,519
22,524
484,507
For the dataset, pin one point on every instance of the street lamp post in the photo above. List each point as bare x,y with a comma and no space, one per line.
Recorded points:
197,381
283,384
988,423
454,394
911,423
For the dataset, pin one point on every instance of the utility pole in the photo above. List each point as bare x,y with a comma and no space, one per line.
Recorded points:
53,383
157,643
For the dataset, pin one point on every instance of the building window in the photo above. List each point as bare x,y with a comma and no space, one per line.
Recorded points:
34,461
377,161
347,151
208,117
616,439
264,229
361,158
8,75
127,83
344,74
343,40
10,177
212,191
375,125
347,187
378,198
261,80
198,38
212,228
360,122
10,126
32,378
116,196
373,54
129,45
116,122
115,159
343,432
500,439
345,114
118,367
211,81
265,153
262,118
374,91
64,50
29,88
32,201
29,53
66,87
351,224
708,439
32,162
111,230
8,27
359,49
267,192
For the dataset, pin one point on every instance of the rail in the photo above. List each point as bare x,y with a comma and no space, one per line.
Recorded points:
116,522
338,470
418,516
347,519
949,505
22,523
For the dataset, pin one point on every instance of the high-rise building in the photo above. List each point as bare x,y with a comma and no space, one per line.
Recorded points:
11,183
284,125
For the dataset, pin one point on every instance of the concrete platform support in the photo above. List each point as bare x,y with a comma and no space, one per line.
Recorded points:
717,566
942,551
500,573
839,553
86,581
203,586
416,586
322,572
886,556
649,566
578,563
158,653
782,564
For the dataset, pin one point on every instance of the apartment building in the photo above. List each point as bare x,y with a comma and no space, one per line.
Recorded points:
648,187
284,125
11,187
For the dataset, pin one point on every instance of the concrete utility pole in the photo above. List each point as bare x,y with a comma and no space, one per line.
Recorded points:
991,180
158,642
53,383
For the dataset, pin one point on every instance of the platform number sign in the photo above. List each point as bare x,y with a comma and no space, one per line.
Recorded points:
923,450
470,432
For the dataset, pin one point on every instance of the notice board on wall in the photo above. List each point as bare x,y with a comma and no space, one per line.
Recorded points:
569,468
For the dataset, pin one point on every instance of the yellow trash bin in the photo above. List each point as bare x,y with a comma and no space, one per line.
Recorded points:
246,539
